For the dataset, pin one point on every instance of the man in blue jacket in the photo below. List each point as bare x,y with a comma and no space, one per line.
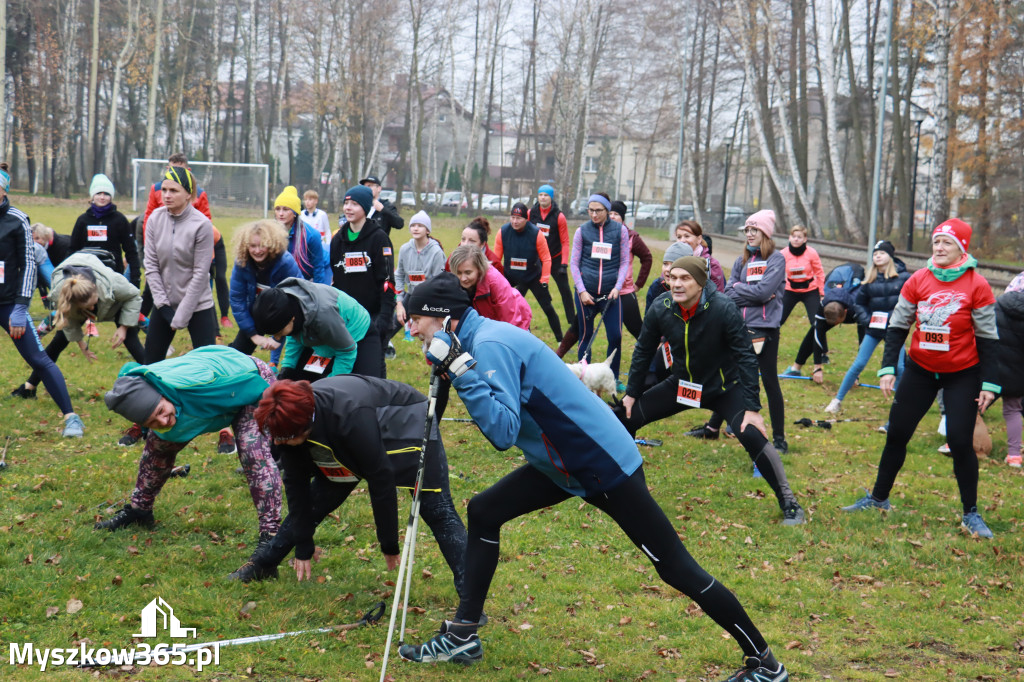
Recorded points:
178,399
519,393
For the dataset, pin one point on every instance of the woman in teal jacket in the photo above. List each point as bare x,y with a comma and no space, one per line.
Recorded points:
178,399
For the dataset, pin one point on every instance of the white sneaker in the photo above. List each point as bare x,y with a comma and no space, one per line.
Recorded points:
942,426
944,448
834,407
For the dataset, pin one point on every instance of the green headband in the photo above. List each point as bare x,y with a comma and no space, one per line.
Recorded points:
182,176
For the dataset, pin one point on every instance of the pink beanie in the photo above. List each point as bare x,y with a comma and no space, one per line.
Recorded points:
957,230
762,220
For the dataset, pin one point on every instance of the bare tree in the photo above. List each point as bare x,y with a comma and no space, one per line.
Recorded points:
154,82
123,58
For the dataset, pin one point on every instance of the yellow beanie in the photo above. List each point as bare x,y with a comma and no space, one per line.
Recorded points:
289,198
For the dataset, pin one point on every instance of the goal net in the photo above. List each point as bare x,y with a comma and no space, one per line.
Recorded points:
235,188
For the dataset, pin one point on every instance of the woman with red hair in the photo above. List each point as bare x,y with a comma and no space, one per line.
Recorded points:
331,435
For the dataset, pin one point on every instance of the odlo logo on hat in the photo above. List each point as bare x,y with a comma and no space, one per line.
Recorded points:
432,309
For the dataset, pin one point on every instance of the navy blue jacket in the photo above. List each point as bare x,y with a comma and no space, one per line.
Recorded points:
520,393
880,296
244,287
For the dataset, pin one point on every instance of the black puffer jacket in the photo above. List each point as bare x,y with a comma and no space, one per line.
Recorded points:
712,348
882,295
1010,321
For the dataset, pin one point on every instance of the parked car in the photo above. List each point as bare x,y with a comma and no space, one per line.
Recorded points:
651,212
452,200
494,202
388,195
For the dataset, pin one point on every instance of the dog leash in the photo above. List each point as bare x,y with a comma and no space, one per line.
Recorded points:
597,327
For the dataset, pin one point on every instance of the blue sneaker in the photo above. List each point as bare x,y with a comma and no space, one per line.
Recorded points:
792,372
447,645
620,387
868,502
754,671
757,474
74,428
975,525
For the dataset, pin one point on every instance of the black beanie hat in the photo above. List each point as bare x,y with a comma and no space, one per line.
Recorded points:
439,296
520,210
885,245
273,310
620,208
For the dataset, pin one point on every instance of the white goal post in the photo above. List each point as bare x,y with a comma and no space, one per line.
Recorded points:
243,186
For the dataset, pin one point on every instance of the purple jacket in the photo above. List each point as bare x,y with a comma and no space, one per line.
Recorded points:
760,302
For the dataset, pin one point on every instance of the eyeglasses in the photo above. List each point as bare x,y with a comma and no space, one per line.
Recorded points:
596,210
750,230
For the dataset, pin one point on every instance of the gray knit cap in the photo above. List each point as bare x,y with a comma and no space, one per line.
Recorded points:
133,398
676,251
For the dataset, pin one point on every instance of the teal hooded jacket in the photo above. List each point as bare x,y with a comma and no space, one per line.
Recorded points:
207,386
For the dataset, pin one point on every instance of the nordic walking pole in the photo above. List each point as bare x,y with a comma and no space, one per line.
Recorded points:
410,527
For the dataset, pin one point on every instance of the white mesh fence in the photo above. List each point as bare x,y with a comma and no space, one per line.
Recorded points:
242,187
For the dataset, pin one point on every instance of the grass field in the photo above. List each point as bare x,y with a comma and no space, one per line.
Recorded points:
902,595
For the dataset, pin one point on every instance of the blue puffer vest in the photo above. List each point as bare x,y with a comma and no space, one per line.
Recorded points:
521,246
599,274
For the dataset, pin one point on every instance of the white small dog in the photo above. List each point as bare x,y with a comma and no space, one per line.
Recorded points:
596,376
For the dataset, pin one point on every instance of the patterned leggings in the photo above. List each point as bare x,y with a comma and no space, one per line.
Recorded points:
253,453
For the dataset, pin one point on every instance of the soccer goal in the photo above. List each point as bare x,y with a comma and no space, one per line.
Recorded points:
242,187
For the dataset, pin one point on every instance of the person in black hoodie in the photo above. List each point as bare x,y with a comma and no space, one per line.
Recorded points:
382,210
335,432
362,263
1010,321
57,245
102,226
714,368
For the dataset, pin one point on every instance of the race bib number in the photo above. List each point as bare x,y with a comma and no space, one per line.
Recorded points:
518,263
755,270
601,250
796,271
355,261
689,393
879,320
935,338
1,272
417,277
666,354
324,459
316,364
544,229
97,233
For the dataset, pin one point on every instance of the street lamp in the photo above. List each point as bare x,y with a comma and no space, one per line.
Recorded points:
725,187
917,115
636,151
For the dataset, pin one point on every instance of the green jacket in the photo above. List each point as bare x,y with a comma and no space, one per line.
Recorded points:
334,324
713,348
119,301
208,386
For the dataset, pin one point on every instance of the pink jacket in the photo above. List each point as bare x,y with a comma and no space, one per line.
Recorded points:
805,270
495,298
714,269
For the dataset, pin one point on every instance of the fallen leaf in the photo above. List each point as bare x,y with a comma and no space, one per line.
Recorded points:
52,611
244,611
625,620
793,645
117,580
525,626
54,560
74,605
133,550
427,574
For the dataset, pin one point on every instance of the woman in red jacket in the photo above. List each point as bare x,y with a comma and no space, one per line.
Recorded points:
805,278
955,348
491,293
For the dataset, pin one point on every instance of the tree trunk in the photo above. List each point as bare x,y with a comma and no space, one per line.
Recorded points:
945,121
67,27
125,56
154,81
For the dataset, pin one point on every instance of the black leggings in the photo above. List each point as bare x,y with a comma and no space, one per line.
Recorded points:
370,356
218,275
631,506
436,509
202,328
809,297
659,402
543,296
914,395
768,363
631,319
809,348
60,341
560,275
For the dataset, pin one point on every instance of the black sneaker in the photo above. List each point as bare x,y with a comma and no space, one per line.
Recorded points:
128,516
389,352
753,671
781,446
793,515
266,537
447,645
250,571
132,436
226,444
22,392
705,432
